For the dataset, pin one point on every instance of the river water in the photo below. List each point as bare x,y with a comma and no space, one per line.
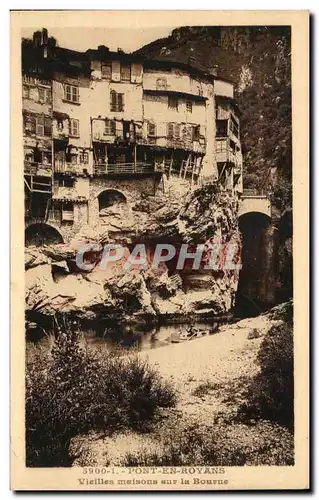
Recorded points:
136,337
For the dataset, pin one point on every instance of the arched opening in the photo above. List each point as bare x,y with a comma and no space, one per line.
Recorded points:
255,288
110,198
112,204
42,234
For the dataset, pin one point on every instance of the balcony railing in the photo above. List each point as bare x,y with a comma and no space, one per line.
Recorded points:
254,193
34,168
123,168
227,156
64,167
61,167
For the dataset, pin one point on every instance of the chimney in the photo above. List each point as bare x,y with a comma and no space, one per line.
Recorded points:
37,38
40,39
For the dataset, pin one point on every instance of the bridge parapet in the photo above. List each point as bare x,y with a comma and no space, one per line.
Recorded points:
253,202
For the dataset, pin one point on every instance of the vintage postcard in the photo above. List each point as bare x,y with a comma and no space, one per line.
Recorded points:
159,276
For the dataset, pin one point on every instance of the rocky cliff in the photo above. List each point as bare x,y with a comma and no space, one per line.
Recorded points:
55,284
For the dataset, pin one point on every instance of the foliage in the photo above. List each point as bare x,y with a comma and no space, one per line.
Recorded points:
221,445
271,393
75,391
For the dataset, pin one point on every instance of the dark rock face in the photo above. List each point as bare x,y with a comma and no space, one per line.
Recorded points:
54,283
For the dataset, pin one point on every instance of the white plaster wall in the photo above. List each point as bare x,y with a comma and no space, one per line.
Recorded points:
221,87
177,80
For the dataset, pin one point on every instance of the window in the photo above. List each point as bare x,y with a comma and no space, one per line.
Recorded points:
125,72
151,129
44,95
106,70
71,93
109,127
221,128
117,101
189,106
232,145
196,133
172,103
233,126
173,131
74,127
170,130
84,157
46,157
67,182
67,212
43,126
177,131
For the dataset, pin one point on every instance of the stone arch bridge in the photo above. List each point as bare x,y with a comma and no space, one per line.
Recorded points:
252,202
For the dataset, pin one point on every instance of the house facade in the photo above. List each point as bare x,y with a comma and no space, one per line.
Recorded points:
101,128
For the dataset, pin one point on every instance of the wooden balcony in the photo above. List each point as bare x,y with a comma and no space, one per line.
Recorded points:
38,184
61,167
70,168
228,156
34,168
138,168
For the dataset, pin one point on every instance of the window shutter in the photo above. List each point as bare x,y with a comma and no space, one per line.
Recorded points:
121,102
75,94
47,127
117,101
126,72
177,131
106,70
170,130
41,95
40,125
113,100
68,92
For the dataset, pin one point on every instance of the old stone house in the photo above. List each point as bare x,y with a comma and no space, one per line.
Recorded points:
102,128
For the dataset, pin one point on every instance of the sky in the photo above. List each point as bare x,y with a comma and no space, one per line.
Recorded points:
128,39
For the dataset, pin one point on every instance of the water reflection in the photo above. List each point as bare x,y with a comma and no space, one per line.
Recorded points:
134,337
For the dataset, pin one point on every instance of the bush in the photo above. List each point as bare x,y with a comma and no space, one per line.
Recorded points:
222,445
75,390
271,394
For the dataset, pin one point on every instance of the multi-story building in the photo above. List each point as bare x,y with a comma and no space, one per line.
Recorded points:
101,128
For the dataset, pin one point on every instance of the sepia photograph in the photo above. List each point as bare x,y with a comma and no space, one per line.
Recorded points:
158,237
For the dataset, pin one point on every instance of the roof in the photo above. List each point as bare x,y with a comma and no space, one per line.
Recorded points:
75,62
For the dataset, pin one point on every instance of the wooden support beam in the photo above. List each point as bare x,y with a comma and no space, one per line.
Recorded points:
187,165
26,183
170,165
193,171
134,157
223,169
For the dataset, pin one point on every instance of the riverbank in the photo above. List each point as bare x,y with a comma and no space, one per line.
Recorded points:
209,375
